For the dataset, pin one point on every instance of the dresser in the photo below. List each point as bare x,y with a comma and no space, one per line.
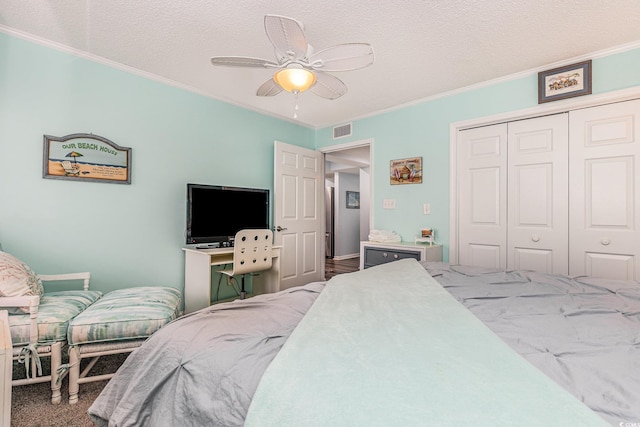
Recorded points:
376,253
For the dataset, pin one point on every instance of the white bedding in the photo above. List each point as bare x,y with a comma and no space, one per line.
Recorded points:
389,346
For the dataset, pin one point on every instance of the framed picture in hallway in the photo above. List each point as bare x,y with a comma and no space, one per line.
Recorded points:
353,200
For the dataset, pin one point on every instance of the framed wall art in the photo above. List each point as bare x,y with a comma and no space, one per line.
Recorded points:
353,200
564,82
86,157
406,171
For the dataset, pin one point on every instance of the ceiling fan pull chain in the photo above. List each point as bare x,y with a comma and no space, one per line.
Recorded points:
295,108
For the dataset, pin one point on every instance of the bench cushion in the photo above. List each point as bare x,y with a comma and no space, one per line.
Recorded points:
55,311
124,314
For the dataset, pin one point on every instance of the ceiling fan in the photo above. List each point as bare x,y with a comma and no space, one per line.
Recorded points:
298,67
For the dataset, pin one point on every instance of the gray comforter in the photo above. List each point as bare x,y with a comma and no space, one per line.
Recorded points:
203,369
584,333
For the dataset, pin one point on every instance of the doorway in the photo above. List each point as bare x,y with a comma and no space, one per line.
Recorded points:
348,192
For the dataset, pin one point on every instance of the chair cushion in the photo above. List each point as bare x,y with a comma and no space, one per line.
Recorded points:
17,279
124,314
55,311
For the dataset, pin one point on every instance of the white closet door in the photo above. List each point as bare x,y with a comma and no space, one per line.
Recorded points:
605,195
482,196
537,231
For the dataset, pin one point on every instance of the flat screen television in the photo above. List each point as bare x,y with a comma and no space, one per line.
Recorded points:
216,213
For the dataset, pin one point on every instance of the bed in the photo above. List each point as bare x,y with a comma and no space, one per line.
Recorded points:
398,344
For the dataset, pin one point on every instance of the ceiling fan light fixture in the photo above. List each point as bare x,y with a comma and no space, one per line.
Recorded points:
299,67
295,80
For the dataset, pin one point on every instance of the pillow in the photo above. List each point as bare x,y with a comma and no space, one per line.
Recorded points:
17,279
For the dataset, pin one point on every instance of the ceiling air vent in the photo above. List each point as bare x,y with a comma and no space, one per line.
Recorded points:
342,131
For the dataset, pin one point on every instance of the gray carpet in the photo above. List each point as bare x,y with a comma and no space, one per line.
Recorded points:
31,405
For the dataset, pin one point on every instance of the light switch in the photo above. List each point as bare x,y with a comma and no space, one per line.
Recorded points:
426,209
389,204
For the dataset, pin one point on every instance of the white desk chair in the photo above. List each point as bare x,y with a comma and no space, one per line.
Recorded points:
251,253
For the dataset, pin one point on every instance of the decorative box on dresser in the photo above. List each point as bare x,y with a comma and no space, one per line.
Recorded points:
376,253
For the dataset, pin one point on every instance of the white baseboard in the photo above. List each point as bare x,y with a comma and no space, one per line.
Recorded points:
343,257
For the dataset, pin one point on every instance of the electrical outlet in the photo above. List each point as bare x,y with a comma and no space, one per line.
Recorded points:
389,204
426,209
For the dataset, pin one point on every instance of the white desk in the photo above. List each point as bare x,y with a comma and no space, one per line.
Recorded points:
197,275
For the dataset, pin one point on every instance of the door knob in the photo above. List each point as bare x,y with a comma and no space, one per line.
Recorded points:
278,228
605,242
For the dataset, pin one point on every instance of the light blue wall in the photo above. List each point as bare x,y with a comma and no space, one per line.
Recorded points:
423,130
126,235
130,235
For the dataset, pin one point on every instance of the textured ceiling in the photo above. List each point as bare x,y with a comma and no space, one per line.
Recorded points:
422,47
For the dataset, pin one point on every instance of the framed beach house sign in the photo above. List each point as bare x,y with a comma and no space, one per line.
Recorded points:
86,157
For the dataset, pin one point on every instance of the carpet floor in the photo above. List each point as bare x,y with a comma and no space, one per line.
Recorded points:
31,404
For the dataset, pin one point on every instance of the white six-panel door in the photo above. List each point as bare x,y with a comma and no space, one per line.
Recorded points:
298,214
482,203
605,191
538,194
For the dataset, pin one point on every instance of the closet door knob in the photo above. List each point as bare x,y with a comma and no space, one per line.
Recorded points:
605,242
535,238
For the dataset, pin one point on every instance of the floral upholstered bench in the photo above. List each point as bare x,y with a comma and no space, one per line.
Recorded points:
117,323
55,311
38,320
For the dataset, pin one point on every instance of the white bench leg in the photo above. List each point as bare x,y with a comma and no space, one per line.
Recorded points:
56,361
74,374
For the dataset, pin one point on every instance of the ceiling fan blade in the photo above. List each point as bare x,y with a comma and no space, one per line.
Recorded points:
343,57
287,36
241,61
269,88
328,86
